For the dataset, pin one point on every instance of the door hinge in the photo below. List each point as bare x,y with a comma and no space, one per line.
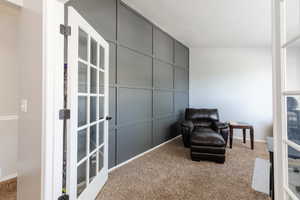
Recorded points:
65,30
64,114
63,197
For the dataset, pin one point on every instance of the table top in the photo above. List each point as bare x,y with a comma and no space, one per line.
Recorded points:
239,124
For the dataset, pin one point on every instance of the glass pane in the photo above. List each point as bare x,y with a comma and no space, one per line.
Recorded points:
101,57
82,111
81,144
101,158
292,18
101,107
82,77
293,118
93,138
83,45
93,166
293,66
288,196
94,52
93,109
93,80
101,131
294,171
81,178
101,82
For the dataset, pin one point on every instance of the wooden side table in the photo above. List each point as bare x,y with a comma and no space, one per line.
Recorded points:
244,127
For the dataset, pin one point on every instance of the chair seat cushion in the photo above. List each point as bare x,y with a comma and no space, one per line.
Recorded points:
202,124
207,137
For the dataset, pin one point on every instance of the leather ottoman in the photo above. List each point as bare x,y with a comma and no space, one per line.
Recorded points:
206,144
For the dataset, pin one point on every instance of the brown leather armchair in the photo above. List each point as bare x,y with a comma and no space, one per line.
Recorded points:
203,132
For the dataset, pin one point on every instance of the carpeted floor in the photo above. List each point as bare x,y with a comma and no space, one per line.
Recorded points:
168,174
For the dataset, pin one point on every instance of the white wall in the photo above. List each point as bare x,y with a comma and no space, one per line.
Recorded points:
237,81
30,123
9,76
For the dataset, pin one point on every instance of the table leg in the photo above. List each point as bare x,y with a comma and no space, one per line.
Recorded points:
230,137
252,138
244,135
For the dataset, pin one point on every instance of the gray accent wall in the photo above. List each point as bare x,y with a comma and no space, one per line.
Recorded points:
149,81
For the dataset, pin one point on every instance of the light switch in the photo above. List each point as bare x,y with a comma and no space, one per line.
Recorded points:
24,105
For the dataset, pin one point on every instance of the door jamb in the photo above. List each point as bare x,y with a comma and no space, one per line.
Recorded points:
277,104
53,80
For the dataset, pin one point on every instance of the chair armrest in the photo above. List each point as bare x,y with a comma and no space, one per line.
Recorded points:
186,128
223,129
220,125
187,124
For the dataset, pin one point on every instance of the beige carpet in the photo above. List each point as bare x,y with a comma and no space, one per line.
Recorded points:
168,174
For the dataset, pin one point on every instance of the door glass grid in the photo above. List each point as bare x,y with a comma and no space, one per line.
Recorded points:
291,67
293,167
90,111
292,19
292,52
293,118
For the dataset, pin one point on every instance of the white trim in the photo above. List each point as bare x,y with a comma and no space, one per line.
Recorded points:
142,154
52,100
8,177
291,41
9,117
293,144
290,193
247,139
291,92
277,99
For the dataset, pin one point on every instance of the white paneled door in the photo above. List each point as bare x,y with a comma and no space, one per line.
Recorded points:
87,152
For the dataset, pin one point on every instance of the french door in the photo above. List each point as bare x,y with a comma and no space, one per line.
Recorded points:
286,80
87,152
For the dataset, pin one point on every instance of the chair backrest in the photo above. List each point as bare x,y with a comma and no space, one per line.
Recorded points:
201,114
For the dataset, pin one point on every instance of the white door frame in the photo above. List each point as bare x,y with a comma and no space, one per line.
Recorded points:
277,100
53,81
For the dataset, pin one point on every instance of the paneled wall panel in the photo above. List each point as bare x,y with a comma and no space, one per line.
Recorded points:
181,79
163,46
163,103
112,148
163,75
181,102
112,106
134,69
134,105
181,55
164,130
134,31
133,140
112,63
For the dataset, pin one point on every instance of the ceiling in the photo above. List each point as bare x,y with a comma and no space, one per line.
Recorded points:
211,23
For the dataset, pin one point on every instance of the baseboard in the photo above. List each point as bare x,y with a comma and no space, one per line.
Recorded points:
142,154
9,177
247,139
